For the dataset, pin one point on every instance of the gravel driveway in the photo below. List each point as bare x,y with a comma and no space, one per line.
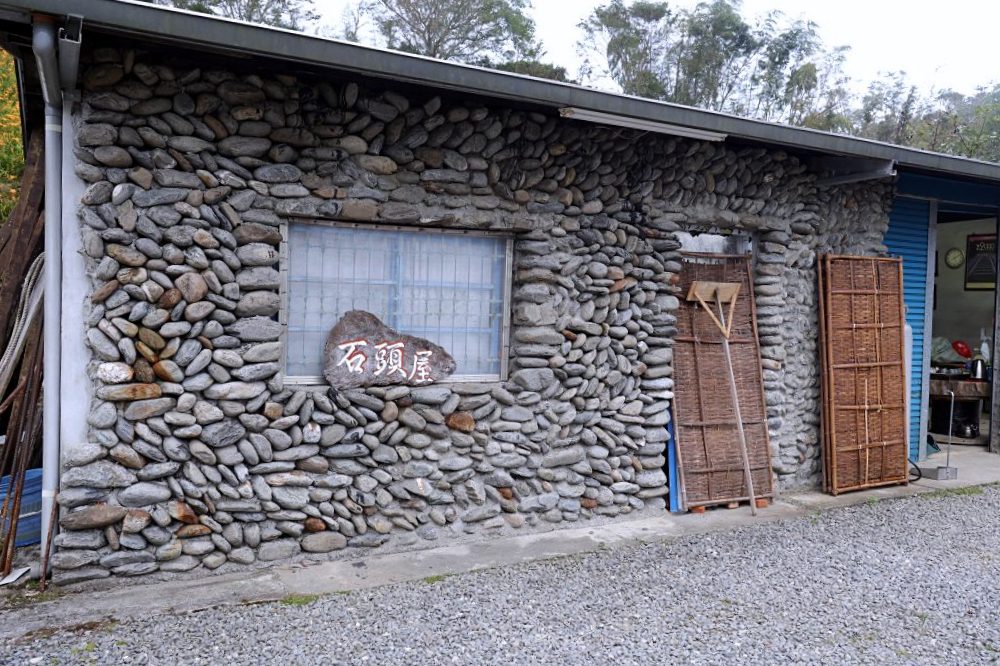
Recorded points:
903,581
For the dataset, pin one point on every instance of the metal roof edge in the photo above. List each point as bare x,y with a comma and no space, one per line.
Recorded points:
206,32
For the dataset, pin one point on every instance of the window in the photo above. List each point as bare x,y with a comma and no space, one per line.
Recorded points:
715,242
451,288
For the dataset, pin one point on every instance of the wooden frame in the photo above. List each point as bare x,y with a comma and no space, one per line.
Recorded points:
710,469
862,320
980,262
318,382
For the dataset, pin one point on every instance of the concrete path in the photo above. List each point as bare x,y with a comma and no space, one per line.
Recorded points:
70,609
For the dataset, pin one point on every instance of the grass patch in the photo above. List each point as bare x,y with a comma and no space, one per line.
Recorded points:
299,599
94,625
437,578
871,501
863,640
29,594
967,491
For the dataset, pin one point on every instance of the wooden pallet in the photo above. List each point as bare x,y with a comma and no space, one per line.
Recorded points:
760,503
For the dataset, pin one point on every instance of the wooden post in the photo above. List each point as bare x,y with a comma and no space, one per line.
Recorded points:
726,327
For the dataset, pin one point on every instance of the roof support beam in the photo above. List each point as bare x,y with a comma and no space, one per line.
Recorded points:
639,124
846,170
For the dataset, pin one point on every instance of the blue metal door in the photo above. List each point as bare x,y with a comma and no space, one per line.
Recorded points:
908,237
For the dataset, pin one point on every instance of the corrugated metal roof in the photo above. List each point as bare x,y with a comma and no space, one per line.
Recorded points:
202,32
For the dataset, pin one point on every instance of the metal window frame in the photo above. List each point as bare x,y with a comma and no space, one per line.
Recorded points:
319,382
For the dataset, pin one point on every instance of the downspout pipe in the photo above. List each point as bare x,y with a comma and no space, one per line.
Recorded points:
44,41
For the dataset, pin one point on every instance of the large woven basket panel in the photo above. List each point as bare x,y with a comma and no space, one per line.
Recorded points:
864,387
708,449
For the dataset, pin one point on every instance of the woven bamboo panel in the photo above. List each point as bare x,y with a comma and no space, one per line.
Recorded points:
708,450
863,372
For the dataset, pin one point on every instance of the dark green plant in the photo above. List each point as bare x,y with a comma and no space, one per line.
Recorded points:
291,14
473,31
11,148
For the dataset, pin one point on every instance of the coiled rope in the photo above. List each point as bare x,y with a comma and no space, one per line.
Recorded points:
27,310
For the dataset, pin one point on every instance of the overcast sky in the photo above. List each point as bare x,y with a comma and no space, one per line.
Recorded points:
946,45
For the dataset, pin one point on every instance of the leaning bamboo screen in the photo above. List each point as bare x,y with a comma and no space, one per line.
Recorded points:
708,451
863,371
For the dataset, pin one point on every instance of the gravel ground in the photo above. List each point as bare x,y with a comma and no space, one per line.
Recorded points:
913,581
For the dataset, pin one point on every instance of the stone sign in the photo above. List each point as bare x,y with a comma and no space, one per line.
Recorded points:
362,351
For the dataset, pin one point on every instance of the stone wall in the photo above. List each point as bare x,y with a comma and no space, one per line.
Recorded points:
201,457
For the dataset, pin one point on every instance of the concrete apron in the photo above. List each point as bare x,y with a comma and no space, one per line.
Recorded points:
975,465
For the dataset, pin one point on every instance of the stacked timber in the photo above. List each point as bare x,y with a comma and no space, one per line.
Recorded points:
21,242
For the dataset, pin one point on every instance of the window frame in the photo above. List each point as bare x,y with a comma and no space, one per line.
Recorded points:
318,381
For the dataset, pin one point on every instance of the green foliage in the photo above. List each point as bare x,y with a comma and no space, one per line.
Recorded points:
291,14
11,149
299,599
629,44
534,68
777,70
888,109
473,31
490,33
711,57
87,647
964,491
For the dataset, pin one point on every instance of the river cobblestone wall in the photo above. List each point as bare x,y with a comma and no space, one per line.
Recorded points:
200,456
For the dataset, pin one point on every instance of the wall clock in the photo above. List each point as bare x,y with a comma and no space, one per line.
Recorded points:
954,258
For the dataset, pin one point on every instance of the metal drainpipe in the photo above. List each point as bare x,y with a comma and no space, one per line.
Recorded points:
44,46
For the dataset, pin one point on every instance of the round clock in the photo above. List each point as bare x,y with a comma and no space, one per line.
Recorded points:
954,258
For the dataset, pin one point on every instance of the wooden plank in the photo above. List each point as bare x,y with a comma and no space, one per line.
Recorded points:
723,423
823,372
23,235
732,341
32,187
720,470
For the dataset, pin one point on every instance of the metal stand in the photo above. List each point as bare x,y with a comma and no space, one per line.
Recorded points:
947,472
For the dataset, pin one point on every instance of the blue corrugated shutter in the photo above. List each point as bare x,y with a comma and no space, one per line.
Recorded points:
907,238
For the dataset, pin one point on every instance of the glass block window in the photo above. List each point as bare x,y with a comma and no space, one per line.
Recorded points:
449,288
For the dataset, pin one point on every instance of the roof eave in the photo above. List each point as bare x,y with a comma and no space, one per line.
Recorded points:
210,33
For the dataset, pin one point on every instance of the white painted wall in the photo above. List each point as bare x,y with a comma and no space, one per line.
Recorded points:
75,390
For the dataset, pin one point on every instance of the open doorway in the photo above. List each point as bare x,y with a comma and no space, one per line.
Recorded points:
962,330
